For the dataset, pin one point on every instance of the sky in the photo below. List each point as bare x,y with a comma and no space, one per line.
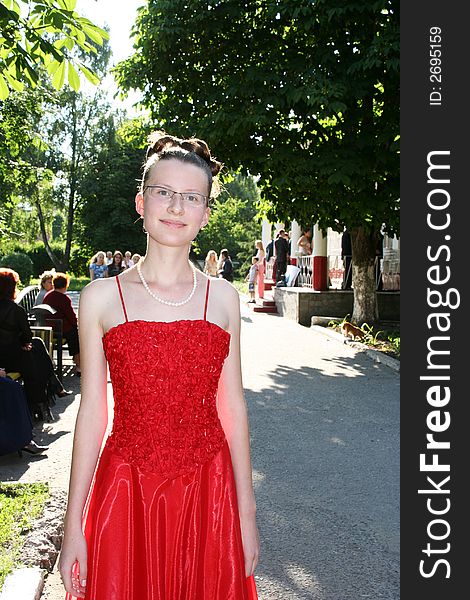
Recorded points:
119,15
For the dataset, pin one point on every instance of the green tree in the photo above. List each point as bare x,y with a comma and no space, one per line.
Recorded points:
233,223
42,33
19,115
76,128
107,216
304,93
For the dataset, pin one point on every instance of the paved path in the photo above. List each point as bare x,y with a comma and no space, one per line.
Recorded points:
324,423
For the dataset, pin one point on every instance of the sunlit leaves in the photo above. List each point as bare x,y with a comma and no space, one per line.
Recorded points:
45,32
73,78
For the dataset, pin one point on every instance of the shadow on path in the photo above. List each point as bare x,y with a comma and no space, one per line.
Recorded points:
325,460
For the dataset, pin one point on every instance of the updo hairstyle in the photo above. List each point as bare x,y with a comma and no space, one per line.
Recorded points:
162,146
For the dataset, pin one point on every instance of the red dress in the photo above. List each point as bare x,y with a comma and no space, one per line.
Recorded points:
161,520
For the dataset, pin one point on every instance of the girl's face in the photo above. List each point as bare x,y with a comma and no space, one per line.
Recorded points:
47,284
169,218
100,259
118,259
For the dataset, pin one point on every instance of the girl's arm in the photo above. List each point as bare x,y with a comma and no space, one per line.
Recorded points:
234,419
92,273
89,431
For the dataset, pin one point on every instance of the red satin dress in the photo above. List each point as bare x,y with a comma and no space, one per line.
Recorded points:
161,520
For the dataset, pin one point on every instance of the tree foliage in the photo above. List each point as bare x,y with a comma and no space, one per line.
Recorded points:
19,142
36,34
233,223
107,215
305,93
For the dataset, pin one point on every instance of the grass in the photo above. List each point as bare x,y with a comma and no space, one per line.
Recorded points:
20,505
241,285
77,283
385,339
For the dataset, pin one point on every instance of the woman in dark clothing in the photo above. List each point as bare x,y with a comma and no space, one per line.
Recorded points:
226,270
19,351
116,266
16,426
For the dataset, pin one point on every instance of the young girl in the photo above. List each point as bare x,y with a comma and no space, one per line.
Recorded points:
171,511
98,266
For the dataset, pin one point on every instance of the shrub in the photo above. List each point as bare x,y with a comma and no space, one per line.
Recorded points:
19,262
79,261
38,254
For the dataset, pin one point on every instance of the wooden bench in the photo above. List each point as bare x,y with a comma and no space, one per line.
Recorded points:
44,319
27,297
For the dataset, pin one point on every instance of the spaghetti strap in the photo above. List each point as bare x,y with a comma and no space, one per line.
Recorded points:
207,298
122,299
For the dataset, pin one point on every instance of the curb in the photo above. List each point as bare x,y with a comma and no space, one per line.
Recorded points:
375,355
23,584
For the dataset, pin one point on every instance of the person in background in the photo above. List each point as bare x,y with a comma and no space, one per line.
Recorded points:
281,252
127,263
251,277
20,352
304,243
45,285
261,256
109,257
211,264
116,266
226,265
58,299
98,266
135,258
346,255
16,425
379,253
269,250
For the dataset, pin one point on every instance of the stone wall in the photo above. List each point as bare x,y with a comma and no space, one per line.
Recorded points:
301,304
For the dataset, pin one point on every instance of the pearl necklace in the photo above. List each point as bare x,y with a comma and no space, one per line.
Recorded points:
168,302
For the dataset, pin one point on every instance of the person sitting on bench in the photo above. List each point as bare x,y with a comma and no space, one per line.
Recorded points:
58,299
20,352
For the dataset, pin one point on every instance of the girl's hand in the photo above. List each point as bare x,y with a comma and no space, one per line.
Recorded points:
73,564
27,347
250,540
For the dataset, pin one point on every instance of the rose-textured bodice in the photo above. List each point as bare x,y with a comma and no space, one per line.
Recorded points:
165,377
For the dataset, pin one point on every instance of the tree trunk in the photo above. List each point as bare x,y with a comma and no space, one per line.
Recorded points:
365,308
55,260
72,186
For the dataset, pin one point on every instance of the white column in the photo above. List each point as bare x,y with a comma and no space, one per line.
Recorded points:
320,253
295,233
266,235
277,227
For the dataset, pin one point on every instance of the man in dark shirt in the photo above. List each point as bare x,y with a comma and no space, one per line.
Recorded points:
227,266
281,251
269,250
58,299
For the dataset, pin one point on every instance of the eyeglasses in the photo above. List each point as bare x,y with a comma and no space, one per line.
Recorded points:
165,195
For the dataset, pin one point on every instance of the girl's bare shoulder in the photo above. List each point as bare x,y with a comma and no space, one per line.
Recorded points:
225,299
99,296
